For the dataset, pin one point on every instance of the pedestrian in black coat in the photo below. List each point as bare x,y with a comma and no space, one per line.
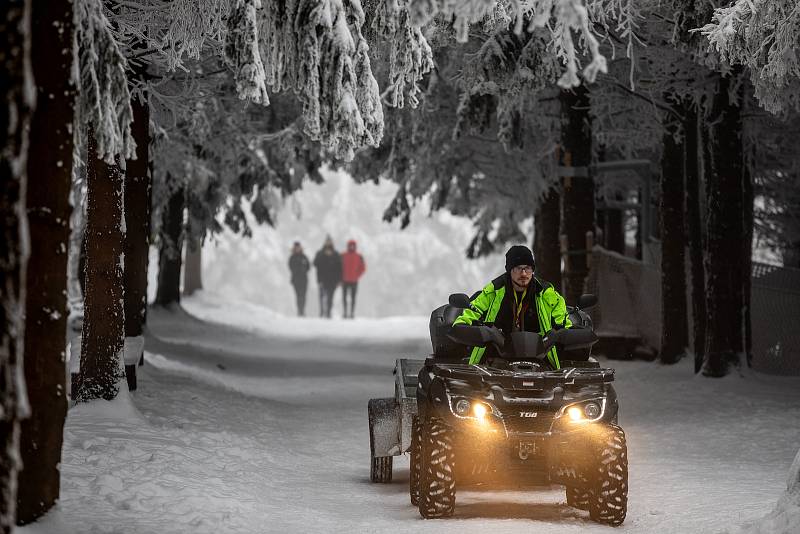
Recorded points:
299,266
329,275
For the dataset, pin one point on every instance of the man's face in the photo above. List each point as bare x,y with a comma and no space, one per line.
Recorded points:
521,275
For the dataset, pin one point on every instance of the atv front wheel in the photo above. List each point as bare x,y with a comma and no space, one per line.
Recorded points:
414,460
608,502
578,498
437,485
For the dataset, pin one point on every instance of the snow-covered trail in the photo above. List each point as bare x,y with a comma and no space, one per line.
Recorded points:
237,430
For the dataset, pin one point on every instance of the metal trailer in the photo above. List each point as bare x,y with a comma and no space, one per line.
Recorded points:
390,420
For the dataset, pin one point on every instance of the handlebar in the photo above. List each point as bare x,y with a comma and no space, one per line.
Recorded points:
525,344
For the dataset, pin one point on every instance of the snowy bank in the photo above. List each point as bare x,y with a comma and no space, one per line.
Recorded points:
785,518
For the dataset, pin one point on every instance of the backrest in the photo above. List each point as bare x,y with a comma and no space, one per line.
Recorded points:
440,324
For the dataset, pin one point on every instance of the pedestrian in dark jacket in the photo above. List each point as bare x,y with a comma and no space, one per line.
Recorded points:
353,267
329,274
299,266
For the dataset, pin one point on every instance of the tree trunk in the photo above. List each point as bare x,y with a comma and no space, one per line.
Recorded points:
577,198
725,176
193,269
674,327
546,248
15,77
614,229
104,315
695,232
748,219
169,254
137,221
50,169
137,235
639,234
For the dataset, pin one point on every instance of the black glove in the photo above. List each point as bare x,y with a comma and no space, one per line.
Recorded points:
497,337
550,339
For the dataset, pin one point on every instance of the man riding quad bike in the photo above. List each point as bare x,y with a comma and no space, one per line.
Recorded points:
526,405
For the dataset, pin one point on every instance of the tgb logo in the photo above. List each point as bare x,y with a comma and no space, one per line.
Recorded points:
528,414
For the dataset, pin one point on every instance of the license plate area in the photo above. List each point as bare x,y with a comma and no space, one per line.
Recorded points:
529,448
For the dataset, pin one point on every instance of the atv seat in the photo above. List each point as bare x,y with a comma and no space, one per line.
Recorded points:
444,349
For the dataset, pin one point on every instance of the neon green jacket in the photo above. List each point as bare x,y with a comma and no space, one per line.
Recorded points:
550,308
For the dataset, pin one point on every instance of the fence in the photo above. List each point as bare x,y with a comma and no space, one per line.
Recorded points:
629,294
775,317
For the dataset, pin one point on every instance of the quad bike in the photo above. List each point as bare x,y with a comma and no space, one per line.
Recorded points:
511,421
515,420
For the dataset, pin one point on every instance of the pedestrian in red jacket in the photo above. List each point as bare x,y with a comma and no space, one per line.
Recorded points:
353,266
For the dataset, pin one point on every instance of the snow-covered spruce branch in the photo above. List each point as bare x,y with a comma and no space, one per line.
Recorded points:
622,17
104,100
763,35
410,57
316,48
241,51
462,12
560,17
170,31
508,68
572,15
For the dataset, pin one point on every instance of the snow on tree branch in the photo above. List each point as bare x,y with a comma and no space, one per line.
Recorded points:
410,57
572,15
561,17
105,100
506,70
241,51
623,17
463,13
169,32
764,35
316,48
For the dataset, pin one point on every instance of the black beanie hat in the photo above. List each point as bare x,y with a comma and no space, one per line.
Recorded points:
519,255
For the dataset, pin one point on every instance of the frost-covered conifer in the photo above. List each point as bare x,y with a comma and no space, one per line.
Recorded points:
104,97
763,35
560,17
507,70
410,55
471,175
169,33
317,49
241,51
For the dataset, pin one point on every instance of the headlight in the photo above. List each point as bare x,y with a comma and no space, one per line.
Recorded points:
462,407
584,412
575,413
591,410
472,409
479,410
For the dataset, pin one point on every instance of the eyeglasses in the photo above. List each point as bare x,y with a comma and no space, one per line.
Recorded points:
519,269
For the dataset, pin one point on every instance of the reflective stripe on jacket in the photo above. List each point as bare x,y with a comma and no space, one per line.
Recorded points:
550,308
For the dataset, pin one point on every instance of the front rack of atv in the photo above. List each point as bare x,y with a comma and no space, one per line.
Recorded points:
572,376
